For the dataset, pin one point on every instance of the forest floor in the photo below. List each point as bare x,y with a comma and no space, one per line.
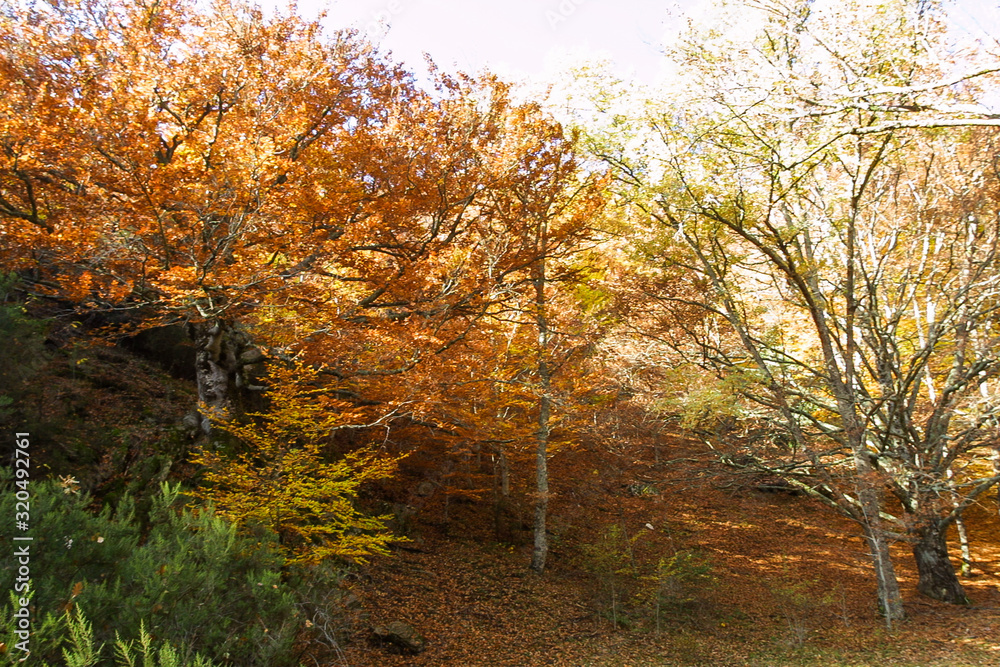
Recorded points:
758,578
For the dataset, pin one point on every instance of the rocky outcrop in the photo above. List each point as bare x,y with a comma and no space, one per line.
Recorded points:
399,637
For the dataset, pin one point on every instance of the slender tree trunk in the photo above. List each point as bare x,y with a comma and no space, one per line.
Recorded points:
963,541
504,465
963,534
937,574
541,549
890,598
869,497
501,493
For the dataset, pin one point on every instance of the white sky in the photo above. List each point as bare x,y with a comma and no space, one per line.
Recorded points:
512,37
518,38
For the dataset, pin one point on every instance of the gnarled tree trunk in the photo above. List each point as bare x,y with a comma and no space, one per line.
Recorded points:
218,362
937,574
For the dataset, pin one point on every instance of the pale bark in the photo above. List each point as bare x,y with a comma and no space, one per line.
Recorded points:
541,547
218,348
963,533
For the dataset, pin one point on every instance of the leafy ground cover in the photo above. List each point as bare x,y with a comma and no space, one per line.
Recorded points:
789,583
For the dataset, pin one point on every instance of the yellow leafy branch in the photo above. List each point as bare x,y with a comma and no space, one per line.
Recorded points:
285,482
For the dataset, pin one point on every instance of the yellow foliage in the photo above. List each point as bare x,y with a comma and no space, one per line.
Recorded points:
283,480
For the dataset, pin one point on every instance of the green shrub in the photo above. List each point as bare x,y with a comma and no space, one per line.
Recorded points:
188,578
631,591
677,583
83,652
23,340
611,561
24,347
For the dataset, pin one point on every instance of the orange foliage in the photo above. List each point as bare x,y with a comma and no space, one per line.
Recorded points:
247,173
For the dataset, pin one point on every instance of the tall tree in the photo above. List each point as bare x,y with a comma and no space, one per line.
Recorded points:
804,173
256,180
550,215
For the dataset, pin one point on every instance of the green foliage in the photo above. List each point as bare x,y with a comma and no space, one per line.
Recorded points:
82,651
611,560
187,578
704,403
630,591
677,583
24,345
146,654
49,631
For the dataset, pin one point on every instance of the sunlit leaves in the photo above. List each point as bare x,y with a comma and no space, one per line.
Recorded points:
287,479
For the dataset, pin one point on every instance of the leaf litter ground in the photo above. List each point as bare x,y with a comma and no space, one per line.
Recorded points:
790,582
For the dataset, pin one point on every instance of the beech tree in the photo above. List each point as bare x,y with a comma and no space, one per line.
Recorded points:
545,223
291,196
519,330
161,159
282,479
259,182
822,176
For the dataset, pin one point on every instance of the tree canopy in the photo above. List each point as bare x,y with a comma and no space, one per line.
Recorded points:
828,177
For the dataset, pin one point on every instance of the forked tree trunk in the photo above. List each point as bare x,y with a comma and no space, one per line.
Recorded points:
937,574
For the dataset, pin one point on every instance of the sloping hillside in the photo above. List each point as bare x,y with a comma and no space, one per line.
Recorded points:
788,582
660,554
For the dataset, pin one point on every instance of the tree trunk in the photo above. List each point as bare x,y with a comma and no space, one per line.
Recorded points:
963,541
501,494
541,549
504,468
544,374
996,471
869,497
217,365
890,600
937,575
963,534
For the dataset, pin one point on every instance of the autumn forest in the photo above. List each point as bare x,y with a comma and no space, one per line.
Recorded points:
310,358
